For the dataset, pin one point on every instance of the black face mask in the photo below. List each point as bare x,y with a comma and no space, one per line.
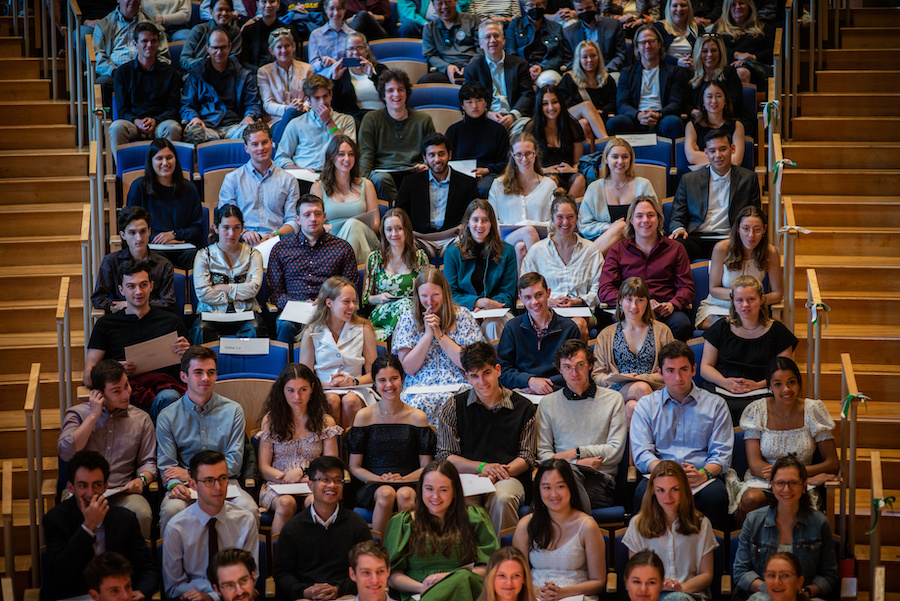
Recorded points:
536,14
587,16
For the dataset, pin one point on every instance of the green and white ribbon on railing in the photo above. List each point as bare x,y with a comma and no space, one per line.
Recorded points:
771,112
816,307
877,506
778,171
793,228
845,406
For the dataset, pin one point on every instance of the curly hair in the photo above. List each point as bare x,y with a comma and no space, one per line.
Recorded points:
281,419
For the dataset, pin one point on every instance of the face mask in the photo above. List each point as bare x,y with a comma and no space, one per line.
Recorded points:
587,16
536,14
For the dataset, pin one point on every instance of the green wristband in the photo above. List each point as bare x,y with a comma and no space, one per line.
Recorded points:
481,467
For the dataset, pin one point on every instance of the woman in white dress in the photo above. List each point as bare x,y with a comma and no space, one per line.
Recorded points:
606,201
670,526
340,346
521,196
563,543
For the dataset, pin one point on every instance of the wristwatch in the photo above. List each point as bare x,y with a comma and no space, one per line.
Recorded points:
577,452
807,592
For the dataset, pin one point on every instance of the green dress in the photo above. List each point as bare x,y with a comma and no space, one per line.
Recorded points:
460,584
384,317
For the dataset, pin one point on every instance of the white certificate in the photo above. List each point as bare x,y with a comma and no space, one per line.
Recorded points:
473,484
573,311
488,313
300,488
227,317
639,139
153,354
466,167
534,398
243,346
265,248
306,175
436,389
233,491
298,311
181,246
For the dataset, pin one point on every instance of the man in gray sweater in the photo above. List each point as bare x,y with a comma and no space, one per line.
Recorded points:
584,424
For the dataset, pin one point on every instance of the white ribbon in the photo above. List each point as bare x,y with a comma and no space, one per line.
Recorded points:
816,307
775,107
794,228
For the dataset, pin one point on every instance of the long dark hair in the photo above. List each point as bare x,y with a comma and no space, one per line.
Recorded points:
493,246
220,214
152,187
442,537
540,529
735,254
566,127
281,419
727,111
329,171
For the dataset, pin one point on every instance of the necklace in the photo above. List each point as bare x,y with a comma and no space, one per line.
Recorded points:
387,413
618,187
782,416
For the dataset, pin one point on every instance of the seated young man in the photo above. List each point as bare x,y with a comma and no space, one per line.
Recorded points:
370,568
584,424
109,424
80,527
232,573
312,558
138,322
491,431
529,341
133,224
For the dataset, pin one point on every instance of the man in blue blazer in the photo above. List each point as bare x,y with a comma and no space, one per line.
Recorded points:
606,32
654,105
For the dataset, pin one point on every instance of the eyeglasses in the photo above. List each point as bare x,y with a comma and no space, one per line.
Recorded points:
578,366
230,587
523,155
210,482
792,484
335,481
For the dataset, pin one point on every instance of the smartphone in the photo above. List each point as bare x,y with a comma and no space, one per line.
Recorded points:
350,61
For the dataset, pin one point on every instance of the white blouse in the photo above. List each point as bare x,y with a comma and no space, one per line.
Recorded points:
343,355
581,277
513,209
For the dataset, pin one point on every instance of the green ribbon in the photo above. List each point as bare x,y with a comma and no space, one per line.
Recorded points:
771,112
778,171
816,307
877,505
845,406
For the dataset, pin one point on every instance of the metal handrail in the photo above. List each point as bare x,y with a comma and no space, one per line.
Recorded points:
6,511
814,308
35,468
877,492
789,241
64,347
847,507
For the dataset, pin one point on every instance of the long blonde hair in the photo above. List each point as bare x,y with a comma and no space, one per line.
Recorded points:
330,290
510,177
699,72
612,143
727,26
578,74
431,275
670,25
499,556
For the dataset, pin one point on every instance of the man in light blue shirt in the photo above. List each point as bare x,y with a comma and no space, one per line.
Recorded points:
201,420
265,193
688,425
306,137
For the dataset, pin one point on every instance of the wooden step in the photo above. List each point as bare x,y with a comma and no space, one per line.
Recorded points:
25,89
844,104
38,282
839,272
869,37
847,58
11,47
843,155
41,163
13,387
856,81
37,219
854,307
12,430
878,382
875,17
857,182
851,129
850,241
39,250
20,112
26,316
866,343
20,68
22,190
858,211
37,136
18,351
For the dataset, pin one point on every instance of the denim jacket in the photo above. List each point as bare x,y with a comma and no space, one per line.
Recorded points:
813,544
520,34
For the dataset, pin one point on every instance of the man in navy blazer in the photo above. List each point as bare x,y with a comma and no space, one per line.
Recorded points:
708,201
606,32
656,106
512,97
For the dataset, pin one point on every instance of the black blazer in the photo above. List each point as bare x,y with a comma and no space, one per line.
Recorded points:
612,41
692,197
672,86
463,190
70,548
519,87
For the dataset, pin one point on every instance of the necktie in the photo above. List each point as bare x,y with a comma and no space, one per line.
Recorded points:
213,546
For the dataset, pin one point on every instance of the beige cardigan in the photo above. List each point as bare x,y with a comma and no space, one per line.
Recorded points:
275,97
605,366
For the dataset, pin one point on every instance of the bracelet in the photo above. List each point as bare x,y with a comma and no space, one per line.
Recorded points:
481,467
708,475
333,129
171,486
143,478
356,381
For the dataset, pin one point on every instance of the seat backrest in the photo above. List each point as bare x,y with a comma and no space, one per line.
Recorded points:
391,48
697,347
180,283
250,393
667,214
739,454
657,174
661,152
700,271
682,165
269,364
212,183
175,49
131,156
415,68
749,158
437,94
220,153
442,117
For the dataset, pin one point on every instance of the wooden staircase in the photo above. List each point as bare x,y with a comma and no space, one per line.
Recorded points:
43,188
846,189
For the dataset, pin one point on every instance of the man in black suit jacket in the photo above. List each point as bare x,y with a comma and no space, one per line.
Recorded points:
605,31
86,524
659,109
708,201
512,99
422,193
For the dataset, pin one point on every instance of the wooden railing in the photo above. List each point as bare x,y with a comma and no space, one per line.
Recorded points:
87,273
35,469
64,347
788,254
877,493
816,312
75,67
9,555
847,505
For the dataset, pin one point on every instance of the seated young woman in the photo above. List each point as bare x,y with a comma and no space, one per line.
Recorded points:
563,543
788,524
679,32
783,424
570,264
428,339
340,346
481,267
281,83
173,202
668,522
521,196
746,251
431,546
508,577
749,42
390,272
346,195
589,91
559,138
606,201
389,445
738,348
710,63
630,347
295,429
227,277
715,113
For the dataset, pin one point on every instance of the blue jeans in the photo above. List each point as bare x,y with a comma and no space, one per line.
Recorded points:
286,331
278,129
163,400
680,324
